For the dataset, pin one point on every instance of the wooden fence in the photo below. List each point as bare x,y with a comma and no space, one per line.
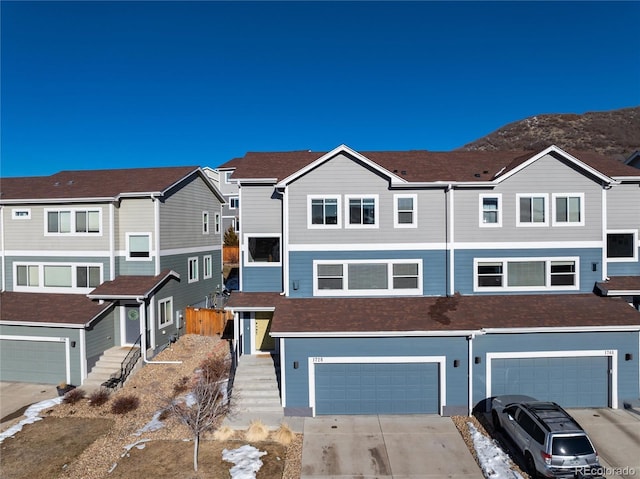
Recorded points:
231,254
206,322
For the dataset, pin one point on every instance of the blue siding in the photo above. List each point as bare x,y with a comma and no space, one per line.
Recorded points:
464,272
301,349
434,267
131,268
261,279
623,269
623,342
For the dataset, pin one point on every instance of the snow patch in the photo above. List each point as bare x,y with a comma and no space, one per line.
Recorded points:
138,445
494,462
246,459
32,414
152,425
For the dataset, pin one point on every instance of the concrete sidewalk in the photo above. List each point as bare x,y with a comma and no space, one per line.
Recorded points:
385,447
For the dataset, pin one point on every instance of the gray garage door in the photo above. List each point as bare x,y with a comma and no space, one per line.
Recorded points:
32,361
571,382
377,388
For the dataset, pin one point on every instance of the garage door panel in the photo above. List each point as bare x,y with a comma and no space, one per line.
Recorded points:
377,388
570,381
32,361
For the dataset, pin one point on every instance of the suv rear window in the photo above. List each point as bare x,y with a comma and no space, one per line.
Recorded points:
571,446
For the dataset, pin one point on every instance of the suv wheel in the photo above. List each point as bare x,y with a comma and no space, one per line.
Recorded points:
496,421
531,465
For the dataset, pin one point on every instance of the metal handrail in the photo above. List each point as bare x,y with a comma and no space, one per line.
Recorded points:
130,359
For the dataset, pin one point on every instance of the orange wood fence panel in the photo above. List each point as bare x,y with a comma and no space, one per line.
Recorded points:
206,322
231,254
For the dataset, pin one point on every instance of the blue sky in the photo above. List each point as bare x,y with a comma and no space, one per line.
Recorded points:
93,85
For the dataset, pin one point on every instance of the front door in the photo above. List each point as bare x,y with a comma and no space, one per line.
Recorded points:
132,324
264,341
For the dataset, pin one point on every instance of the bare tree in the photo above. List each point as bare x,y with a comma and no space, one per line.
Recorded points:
204,407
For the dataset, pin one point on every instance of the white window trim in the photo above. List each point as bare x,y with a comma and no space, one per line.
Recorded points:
635,247
310,225
196,269
376,211
505,261
217,223
207,271
41,288
368,292
16,216
546,210
498,224
414,223
141,233
554,222
161,303
227,177
260,264
72,212
206,223
231,198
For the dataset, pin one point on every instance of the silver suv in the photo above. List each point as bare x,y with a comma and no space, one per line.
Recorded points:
552,442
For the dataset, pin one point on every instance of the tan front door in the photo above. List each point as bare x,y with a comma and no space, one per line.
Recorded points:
264,342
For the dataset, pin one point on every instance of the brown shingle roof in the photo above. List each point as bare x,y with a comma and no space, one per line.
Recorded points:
417,165
71,309
132,286
92,183
457,313
620,284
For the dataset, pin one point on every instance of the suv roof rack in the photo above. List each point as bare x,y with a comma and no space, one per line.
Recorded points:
552,417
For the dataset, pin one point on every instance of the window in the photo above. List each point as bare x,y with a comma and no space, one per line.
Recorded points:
216,223
165,312
367,278
205,222
227,176
193,269
263,250
490,210
323,212
532,210
405,214
28,275
58,276
362,211
73,222
622,246
207,269
88,276
568,209
526,274
139,246
234,203
21,214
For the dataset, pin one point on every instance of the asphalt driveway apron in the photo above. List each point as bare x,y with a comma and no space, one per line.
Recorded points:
384,447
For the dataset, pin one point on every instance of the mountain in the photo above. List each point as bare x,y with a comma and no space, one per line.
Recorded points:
613,133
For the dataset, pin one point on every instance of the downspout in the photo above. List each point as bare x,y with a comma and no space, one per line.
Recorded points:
156,240
112,241
449,228
284,255
143,336
2,250
605,265
470,339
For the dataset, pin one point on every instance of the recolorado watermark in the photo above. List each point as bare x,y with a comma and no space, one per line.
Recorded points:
605,471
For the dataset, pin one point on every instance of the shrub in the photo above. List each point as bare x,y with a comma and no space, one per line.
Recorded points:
99,397
223,433
257,431
124,404
284,435
73,396
182,385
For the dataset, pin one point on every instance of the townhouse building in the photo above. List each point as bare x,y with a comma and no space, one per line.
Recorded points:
425,282
93,260
222,178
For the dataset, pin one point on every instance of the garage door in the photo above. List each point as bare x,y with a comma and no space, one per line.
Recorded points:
377,388
32,361
569,381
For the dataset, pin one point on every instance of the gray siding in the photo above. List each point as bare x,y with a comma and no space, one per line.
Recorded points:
623,207
547,175
100,337
134,215
262,210
342,176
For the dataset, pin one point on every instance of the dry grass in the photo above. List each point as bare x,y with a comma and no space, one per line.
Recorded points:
224,433
257,431
284,435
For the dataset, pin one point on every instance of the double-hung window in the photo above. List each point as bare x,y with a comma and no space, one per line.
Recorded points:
361,211
568,209
491,210
57,277
622,246
405,214
526,274
234,203
73,221
532,210
207,269
192,266
367,277
323,211
205,222
165,312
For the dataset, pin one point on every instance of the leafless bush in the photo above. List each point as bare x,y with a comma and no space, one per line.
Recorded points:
99,397
125,404
73,396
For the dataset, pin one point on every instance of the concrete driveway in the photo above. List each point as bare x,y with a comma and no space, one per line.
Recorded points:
16,397
616,436
385,447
